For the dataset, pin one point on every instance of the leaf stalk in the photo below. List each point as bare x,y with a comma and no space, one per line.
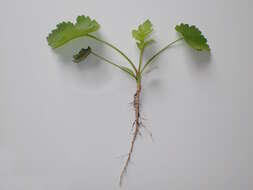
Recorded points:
159,52
112,63
115,48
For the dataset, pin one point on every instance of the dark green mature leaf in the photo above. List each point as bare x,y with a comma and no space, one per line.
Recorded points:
82,55
66,31
143,32
193,37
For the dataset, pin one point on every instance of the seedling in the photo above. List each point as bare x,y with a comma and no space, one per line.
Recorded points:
84,26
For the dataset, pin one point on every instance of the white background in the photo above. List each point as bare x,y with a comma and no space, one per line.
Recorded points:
65,126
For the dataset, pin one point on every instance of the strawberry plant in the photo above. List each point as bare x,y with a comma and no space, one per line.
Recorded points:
85,26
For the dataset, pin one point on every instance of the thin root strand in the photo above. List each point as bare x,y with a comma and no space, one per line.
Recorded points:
136,124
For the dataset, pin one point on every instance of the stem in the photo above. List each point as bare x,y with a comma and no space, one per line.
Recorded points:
140,59
159,52
138,74
110,62
115,48
137,124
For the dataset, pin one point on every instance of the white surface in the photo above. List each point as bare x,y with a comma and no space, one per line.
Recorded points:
64,126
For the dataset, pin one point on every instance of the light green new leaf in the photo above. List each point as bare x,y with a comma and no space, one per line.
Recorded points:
193,37
143,32
66,31
81,55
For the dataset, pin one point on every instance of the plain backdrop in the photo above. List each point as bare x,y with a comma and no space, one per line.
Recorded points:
68,127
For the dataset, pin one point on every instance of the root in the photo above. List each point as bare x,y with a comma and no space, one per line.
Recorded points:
136,124
147,130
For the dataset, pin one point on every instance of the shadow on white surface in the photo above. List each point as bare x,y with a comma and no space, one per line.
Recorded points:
91,72
66,52
200,59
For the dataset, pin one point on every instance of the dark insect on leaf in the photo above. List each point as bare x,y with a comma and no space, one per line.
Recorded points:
82,55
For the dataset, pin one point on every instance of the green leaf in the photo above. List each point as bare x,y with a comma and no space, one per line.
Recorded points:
193,37
142,33
66,31
144,30
81,55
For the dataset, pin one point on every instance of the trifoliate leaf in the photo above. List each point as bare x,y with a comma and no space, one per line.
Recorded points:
143,32
193,37
82,55
67,31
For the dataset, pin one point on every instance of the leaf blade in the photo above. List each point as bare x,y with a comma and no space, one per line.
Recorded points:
193,37
67,31
81,55
142,33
